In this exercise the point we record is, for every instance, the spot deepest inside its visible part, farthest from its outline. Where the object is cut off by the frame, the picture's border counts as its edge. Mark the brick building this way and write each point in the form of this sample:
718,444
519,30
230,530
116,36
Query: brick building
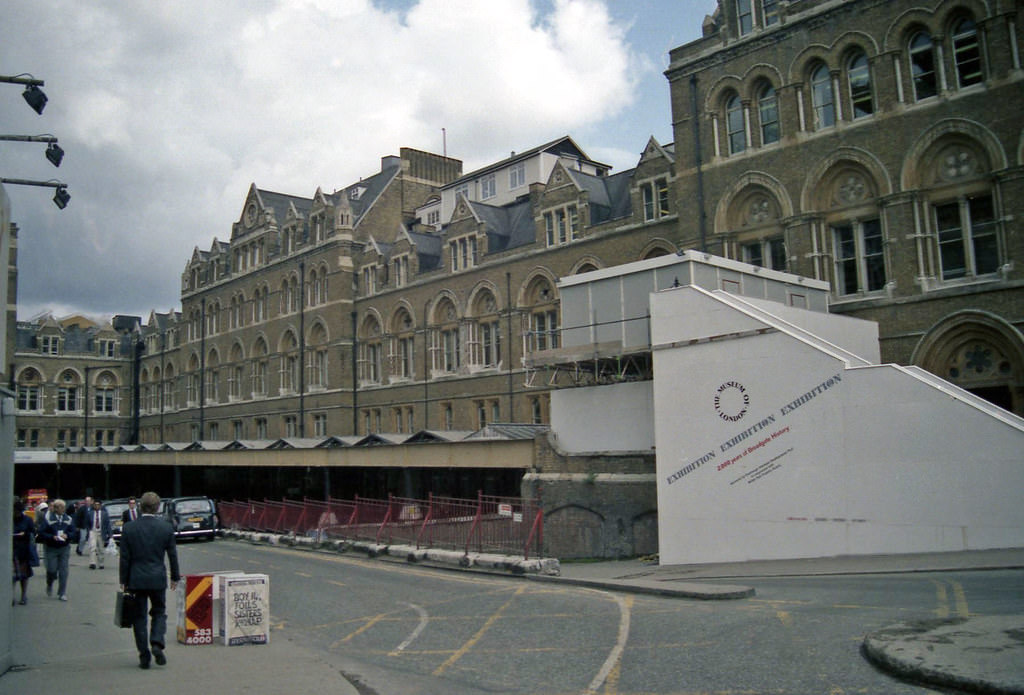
876,145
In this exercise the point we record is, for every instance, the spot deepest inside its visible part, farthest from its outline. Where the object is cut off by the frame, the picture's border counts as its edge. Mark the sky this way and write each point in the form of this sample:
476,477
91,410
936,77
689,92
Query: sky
168,111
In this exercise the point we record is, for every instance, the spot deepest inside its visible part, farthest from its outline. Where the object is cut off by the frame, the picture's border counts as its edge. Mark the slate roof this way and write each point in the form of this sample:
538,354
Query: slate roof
428,250
609,195
508,226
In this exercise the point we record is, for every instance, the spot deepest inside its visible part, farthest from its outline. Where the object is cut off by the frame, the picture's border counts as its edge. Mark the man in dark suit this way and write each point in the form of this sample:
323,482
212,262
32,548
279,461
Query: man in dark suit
130,514
144,543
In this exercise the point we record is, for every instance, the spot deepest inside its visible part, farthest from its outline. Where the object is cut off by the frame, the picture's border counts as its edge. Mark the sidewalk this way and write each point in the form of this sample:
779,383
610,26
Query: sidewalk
73,646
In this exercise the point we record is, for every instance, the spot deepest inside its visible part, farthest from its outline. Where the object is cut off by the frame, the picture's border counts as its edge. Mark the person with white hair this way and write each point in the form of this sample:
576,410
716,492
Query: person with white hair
57,531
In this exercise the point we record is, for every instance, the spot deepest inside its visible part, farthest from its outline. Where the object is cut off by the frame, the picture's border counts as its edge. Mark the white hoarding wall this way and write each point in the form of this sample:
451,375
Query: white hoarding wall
772,444
614,418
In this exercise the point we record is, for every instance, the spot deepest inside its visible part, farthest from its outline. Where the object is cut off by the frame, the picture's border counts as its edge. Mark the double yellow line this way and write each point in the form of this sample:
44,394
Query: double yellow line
957,607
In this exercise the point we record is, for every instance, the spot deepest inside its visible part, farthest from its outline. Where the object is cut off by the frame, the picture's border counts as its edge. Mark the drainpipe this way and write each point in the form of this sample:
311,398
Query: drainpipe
701,217
508,350
355,376
302,348
202,367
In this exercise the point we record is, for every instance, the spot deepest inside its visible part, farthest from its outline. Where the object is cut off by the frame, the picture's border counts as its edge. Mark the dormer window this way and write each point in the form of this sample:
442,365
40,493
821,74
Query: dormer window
50,344
517,176
463,253
357,192
561,226
488,187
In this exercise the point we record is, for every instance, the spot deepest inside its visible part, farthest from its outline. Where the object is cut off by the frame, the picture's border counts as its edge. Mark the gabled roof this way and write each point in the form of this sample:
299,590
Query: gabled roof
428,250
509,430
361,196
382,438
507,227
429,436
563,147
609,195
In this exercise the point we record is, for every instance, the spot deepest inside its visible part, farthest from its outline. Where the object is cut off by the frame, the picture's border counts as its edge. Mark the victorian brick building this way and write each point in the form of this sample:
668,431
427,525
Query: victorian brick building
877,145
872,144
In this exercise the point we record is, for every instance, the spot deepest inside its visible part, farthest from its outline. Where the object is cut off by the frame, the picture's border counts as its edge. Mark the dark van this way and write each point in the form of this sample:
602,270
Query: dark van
192,517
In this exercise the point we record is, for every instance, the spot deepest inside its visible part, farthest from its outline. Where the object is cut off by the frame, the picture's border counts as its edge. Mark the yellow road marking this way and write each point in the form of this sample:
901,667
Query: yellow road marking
784,617
479,633
363,628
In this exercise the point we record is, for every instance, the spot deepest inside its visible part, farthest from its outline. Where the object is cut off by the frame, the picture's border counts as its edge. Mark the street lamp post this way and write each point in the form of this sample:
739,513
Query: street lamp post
61,197
54,152
34,96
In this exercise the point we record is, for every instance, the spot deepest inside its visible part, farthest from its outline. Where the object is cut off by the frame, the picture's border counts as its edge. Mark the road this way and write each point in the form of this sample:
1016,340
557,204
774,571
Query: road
397,628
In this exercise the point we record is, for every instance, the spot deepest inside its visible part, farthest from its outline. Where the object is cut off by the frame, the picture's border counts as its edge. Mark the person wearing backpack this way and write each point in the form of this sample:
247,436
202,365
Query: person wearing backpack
57,531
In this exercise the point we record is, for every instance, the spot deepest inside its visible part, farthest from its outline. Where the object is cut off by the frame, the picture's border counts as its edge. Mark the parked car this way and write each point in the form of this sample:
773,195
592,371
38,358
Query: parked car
115,508
192,517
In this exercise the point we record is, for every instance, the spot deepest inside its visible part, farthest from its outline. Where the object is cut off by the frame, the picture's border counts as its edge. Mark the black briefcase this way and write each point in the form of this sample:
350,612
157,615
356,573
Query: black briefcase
125,609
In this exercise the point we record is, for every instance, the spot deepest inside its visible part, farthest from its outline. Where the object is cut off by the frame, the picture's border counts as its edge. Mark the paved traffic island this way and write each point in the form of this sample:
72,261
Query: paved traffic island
983,654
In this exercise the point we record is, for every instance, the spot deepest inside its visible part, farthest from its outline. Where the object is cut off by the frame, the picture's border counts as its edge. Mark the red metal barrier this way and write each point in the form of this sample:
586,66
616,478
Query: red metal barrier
510,525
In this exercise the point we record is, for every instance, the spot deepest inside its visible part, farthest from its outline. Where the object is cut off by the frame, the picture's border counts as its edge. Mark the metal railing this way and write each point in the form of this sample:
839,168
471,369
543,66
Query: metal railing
509,525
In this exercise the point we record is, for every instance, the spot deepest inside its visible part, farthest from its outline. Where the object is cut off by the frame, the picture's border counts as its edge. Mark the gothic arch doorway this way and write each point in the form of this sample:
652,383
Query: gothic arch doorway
979,352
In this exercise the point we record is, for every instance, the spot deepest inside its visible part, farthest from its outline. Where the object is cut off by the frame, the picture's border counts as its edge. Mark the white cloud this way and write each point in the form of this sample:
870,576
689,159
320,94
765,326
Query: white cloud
169,111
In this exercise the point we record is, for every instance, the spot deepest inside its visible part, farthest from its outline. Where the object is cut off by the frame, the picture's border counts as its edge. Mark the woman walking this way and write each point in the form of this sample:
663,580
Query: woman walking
24,539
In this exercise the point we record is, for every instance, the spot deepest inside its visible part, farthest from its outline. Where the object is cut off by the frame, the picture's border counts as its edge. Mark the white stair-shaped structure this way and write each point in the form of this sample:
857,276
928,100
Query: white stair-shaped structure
778,435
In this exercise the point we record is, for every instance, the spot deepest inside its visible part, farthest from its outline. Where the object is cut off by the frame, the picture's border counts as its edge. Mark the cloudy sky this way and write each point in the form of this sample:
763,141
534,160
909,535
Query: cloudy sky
168,111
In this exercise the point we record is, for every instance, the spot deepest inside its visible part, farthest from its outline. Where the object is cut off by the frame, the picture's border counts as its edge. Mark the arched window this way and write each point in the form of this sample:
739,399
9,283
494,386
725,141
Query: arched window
30,390
922,66
768,113
849,194
542,333
370,351
822,97
317,367
237,374
858,75
735,125
403,353
212,394
259,368
967,53
289,372
445,338
484,332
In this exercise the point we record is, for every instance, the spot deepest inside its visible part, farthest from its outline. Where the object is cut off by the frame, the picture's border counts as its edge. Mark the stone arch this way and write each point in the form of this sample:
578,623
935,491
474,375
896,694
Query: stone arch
969,141
445,309
753,187
853,41
237,353
483,300
260,346
978,351
759,73
586,264
644,529
656,248
402,319
371,324
30,374
800,66
714,100
575,531
856,163
532,290
318,334
906,24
